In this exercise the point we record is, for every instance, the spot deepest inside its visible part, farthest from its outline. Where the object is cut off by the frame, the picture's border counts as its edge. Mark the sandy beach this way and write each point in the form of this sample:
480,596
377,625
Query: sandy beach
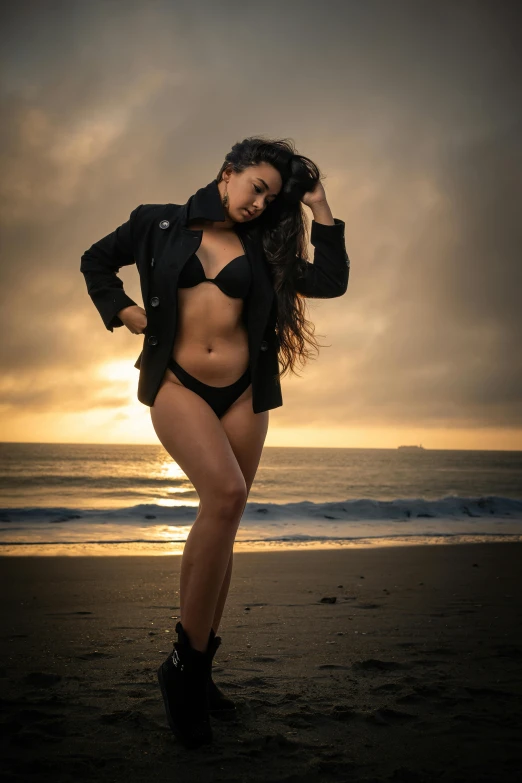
383,664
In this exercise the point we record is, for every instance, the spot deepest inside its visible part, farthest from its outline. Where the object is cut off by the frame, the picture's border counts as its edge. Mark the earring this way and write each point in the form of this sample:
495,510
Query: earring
224,200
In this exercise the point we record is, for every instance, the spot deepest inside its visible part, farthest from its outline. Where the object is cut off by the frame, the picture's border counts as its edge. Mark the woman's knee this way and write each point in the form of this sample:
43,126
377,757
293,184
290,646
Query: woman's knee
227,500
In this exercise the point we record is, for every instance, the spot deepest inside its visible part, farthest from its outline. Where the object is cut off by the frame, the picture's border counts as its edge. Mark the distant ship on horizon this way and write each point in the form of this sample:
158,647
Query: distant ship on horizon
411,448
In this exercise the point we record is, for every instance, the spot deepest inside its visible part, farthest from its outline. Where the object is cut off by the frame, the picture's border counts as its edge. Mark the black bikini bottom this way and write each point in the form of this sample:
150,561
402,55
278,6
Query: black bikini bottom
220,398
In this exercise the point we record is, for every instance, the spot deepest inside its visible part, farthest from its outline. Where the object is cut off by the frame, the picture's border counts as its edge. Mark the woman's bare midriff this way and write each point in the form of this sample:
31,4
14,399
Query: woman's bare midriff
211,338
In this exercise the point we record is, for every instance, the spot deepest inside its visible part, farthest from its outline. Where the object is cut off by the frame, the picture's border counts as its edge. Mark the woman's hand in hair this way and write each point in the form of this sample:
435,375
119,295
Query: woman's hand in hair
316,196
134,318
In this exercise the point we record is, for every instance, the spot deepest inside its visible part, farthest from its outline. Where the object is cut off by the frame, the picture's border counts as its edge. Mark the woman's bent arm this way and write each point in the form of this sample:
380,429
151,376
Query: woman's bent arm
99,265
328,276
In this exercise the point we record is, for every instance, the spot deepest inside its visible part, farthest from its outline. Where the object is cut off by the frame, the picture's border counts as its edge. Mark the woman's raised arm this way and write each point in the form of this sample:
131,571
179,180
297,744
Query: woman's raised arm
328,276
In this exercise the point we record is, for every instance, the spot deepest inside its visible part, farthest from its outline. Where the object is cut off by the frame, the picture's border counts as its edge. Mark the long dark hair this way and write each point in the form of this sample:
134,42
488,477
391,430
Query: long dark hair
284,236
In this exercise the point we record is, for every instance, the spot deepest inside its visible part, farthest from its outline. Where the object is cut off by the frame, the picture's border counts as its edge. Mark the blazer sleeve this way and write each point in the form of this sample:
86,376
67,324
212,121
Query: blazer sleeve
99,265
328,276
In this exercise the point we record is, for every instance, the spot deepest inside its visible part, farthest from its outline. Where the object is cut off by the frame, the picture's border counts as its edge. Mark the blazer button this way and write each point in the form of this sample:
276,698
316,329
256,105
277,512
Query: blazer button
154,301
264,345
153,340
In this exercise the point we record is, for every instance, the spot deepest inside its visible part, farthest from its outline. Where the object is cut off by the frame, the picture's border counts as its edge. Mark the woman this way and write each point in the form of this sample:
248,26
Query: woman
218,274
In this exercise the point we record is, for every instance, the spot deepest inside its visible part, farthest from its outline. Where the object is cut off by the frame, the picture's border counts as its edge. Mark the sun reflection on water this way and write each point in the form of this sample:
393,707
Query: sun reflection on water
170,469
168,532
172,502
167,469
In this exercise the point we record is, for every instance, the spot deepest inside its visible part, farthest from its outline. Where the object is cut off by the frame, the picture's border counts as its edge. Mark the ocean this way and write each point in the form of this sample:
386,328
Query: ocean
96,499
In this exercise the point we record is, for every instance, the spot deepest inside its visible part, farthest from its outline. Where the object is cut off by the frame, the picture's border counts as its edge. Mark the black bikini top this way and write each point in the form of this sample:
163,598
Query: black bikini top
234,279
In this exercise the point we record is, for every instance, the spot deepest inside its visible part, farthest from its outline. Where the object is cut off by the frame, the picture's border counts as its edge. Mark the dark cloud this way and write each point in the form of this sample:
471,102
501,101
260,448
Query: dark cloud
412,111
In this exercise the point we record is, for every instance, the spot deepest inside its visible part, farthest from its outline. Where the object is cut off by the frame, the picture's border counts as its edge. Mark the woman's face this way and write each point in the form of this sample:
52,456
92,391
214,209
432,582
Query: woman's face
253,189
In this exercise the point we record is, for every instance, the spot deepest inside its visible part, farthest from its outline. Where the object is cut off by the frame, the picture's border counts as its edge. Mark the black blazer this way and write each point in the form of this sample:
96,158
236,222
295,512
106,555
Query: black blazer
157,238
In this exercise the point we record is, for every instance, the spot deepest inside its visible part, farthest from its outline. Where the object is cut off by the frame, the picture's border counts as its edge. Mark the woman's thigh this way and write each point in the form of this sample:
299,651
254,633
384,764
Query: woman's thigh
213,453
192,434
246,432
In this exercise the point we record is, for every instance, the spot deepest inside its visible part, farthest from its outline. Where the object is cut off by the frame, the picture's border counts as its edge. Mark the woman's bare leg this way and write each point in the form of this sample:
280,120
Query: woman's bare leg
246,432
218,612
195,438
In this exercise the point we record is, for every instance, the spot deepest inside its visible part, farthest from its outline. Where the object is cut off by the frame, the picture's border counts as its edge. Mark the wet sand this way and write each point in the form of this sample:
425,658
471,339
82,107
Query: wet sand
385,664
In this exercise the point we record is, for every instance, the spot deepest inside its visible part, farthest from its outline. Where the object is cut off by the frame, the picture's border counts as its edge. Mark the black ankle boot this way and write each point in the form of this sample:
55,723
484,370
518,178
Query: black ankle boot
183,680
219,706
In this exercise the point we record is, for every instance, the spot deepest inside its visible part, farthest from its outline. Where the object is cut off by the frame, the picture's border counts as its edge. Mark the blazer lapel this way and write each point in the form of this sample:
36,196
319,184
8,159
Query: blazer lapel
182,242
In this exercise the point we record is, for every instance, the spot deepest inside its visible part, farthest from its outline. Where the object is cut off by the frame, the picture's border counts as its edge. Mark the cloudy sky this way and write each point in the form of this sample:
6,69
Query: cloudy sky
411,109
